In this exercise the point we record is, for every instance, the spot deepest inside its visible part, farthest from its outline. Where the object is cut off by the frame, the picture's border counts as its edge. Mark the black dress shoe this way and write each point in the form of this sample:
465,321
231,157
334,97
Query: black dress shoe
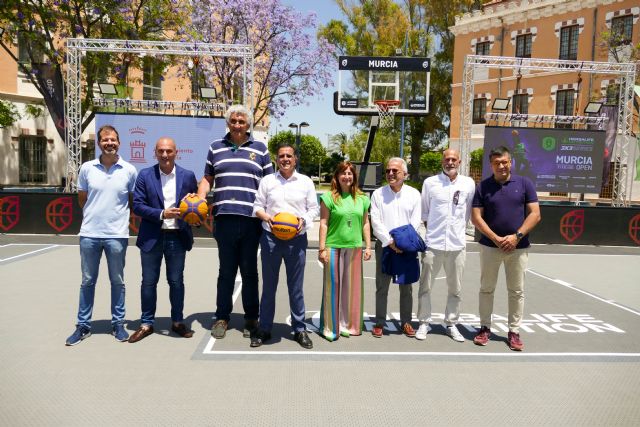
303,339
259,338
182,330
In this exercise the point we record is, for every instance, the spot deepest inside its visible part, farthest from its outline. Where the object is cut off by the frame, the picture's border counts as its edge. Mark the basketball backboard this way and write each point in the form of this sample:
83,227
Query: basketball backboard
362,80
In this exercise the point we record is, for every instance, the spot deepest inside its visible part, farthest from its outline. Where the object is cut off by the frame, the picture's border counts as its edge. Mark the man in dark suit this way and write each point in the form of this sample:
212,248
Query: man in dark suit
162,233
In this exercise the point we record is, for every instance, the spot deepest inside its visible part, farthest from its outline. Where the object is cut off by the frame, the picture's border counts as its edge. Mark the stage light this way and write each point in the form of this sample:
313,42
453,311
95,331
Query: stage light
208,93
107,89
500,104
593,108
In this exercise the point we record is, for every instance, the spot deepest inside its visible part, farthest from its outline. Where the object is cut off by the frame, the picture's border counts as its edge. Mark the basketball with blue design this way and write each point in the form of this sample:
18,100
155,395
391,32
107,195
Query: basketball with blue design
285,226
193,210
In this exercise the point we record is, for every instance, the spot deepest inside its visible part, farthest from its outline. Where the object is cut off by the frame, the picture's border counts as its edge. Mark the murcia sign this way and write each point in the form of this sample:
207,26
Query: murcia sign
385,63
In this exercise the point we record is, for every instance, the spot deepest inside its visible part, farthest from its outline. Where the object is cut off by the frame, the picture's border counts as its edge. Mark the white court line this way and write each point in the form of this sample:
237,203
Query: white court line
573,287
416,353
208,349
28,253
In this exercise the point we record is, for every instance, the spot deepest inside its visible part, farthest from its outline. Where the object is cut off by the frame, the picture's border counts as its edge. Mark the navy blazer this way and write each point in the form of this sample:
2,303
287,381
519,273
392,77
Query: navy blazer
148,203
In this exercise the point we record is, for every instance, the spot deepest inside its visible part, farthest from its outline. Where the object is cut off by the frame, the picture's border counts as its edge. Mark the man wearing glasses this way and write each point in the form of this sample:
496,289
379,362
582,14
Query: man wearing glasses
392,206
446,210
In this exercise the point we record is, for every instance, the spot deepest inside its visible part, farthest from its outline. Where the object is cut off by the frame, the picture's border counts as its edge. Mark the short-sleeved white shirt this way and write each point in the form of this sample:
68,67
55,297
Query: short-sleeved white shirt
106,212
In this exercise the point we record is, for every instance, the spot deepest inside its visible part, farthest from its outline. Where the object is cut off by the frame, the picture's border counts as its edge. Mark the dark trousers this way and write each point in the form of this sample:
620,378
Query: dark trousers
294,253
169,247
237,238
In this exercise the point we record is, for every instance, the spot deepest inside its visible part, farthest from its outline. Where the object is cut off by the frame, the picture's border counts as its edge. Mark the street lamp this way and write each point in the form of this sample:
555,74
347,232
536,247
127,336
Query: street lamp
298,129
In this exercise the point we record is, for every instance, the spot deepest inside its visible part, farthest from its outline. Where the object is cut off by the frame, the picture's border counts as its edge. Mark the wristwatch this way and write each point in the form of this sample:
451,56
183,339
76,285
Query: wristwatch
519,235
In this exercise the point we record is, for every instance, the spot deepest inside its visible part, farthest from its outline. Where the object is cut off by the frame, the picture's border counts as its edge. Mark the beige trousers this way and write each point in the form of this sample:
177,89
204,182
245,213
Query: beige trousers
515,264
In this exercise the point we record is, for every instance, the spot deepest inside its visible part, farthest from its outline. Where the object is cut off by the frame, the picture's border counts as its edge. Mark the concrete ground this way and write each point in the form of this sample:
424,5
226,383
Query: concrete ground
581,364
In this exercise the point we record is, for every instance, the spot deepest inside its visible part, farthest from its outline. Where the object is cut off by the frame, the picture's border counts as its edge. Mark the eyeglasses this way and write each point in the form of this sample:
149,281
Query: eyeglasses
239,122
456,196
392,170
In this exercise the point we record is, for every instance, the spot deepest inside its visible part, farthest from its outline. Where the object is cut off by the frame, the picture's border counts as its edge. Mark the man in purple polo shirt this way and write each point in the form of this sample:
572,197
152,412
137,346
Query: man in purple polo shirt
505,210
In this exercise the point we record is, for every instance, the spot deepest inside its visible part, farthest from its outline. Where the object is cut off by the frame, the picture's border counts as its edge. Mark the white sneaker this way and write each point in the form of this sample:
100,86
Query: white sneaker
454,333
423,330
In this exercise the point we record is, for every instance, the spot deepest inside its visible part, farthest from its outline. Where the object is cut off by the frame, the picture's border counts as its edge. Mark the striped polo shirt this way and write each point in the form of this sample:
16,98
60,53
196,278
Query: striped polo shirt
236,174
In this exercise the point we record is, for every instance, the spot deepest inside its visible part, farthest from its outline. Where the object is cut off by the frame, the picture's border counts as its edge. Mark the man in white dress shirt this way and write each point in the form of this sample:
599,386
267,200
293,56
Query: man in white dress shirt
446,210
392,206
294,193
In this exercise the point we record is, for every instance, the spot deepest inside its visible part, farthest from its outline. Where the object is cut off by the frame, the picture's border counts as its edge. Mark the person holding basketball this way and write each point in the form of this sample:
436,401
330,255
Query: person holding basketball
294,193
505,209
105,186
344,224
162,234
235,165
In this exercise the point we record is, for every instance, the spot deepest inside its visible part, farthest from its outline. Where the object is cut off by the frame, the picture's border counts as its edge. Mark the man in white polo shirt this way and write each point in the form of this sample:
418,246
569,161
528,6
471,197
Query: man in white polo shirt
392,206
105,188
446,210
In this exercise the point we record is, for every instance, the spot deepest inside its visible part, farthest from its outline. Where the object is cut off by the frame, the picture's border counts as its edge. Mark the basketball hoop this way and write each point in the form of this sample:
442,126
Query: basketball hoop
387,111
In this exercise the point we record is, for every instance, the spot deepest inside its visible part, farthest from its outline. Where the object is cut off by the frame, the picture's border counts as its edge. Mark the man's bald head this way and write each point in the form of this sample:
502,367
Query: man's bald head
166,152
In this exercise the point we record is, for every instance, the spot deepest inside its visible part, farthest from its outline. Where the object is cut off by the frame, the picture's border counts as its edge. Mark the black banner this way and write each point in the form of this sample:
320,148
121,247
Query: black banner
50,80
384,63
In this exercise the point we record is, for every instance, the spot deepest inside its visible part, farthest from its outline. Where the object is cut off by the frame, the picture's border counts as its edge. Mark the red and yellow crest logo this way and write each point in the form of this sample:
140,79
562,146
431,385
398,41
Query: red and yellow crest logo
59,213
572,225
9,212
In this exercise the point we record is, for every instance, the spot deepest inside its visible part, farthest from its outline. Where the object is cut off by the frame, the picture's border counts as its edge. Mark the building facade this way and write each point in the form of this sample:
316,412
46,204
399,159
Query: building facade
579,30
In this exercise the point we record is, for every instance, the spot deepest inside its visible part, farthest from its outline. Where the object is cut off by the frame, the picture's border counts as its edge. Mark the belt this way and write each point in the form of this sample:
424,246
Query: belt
169,230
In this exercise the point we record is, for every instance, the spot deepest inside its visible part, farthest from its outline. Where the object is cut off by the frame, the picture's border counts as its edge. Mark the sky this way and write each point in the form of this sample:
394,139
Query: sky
319,113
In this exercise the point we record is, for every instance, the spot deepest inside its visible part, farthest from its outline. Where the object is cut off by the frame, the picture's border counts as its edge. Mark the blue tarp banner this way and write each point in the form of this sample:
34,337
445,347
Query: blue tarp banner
139,133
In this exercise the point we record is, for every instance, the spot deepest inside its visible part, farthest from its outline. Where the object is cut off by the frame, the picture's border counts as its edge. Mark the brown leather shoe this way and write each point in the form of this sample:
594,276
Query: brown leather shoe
142,332
182,330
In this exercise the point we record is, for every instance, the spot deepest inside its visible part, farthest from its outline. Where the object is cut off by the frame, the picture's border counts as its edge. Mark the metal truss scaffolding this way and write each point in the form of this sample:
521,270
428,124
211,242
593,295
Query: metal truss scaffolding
624,72
77,48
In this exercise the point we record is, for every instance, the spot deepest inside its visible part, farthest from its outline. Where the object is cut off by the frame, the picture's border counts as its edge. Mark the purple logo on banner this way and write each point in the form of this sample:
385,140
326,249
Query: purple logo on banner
556,160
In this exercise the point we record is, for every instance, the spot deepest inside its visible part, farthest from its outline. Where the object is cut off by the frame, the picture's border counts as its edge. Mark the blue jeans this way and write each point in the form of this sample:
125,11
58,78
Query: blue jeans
169,246
294,253
237,237
115,250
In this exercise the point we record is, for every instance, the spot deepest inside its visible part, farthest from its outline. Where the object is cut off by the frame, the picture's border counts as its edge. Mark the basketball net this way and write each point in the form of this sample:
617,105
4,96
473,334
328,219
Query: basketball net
387,111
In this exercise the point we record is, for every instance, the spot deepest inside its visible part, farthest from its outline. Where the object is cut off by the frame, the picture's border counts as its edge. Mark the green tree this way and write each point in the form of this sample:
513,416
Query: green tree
312,152
329,165
41,26
431,162
384,147
8,114
476,159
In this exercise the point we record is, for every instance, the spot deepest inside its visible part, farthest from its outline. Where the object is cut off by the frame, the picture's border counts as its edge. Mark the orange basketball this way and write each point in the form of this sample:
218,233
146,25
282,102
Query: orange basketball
193,210
285,226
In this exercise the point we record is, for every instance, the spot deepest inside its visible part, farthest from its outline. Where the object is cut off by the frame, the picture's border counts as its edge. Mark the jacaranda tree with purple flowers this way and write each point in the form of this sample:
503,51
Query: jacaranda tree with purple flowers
291,66
40,27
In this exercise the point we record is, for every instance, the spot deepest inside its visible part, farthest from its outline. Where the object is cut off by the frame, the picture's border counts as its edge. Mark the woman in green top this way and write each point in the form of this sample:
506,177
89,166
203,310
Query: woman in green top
344,223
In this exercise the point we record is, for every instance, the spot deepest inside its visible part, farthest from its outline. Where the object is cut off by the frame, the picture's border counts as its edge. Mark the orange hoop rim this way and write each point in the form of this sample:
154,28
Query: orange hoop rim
384,104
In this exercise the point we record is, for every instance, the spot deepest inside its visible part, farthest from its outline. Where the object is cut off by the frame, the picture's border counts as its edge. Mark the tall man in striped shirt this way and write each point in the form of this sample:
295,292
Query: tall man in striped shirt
235,165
